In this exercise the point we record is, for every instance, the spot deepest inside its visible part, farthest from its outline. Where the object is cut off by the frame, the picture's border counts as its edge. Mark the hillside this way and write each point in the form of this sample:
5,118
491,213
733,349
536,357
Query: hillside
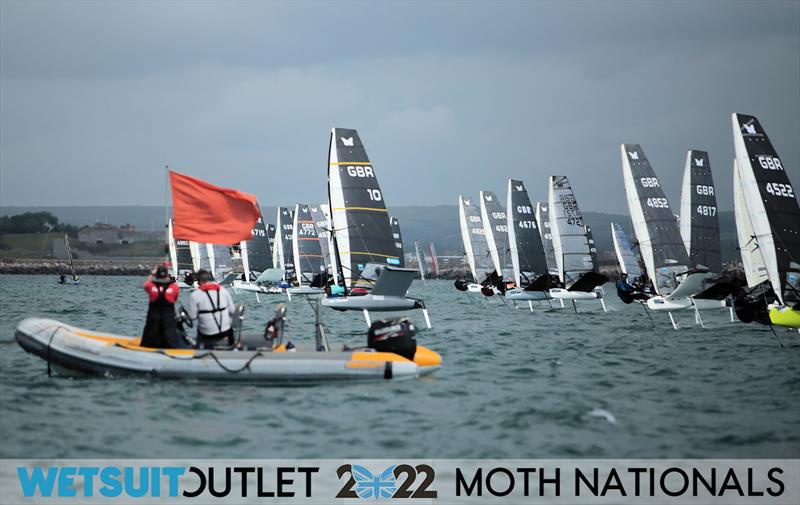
438,223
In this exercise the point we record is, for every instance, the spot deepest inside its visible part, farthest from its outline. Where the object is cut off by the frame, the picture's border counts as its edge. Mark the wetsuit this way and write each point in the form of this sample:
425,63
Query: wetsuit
160,330
628,293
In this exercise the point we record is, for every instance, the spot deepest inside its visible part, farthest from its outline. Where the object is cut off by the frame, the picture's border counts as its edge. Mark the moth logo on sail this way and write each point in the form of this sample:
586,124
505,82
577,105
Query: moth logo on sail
749,128
488,198
634,155
699,162
347,142
520,188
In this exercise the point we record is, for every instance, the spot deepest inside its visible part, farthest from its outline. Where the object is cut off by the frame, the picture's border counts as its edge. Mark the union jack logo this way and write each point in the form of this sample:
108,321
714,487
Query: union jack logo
378,486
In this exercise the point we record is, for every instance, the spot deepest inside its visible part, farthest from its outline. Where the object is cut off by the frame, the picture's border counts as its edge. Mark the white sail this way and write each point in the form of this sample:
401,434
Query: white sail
628,263
493,216
419,261
686,204
466,238
543,218
570,243
753,263
326,210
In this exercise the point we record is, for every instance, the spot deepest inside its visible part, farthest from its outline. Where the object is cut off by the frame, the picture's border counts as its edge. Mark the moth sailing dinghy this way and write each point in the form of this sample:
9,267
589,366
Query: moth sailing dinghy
767,217
660,243
258,274
391,353
283,255
75,279
525,246
476,249
366,255
495,227
699,227
309,264
576,268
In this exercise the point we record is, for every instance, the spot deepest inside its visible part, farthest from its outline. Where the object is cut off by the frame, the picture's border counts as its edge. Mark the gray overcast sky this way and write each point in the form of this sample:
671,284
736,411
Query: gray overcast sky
449,98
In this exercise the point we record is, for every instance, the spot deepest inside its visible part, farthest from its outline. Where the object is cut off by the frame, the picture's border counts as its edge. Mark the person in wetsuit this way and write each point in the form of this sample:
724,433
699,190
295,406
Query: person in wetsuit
160,329
627,292
213,308
62,279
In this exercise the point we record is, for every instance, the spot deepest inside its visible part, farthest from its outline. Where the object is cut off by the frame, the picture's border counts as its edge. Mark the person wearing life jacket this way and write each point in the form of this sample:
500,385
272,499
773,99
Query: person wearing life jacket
160,329
213,308
627,292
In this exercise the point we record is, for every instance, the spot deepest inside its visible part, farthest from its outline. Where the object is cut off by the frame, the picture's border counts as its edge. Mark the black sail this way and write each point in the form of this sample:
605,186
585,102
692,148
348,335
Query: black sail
308,260
527,251
772,202
397,235
656,227
259,254
285,228
592,249
699,220
358,211
271,237
184,256
323,225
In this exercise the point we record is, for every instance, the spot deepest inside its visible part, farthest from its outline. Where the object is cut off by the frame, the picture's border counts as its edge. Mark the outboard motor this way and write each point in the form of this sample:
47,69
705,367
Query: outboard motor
397,335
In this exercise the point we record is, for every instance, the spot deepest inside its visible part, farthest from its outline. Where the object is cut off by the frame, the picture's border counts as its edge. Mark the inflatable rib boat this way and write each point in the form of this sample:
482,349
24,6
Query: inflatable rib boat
71,349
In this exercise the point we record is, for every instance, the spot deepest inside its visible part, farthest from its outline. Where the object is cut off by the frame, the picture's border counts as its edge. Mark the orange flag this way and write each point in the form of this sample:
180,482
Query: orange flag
206,213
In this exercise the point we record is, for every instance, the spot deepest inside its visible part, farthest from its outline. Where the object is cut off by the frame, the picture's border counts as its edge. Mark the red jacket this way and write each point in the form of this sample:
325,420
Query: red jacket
155,291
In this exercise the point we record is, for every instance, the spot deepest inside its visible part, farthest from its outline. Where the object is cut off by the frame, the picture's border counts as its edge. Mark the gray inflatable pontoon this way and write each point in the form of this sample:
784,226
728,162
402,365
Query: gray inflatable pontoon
68,348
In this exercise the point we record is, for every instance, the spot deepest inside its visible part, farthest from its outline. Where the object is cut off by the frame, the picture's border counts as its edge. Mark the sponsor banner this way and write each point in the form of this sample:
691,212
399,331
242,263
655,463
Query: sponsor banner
552,481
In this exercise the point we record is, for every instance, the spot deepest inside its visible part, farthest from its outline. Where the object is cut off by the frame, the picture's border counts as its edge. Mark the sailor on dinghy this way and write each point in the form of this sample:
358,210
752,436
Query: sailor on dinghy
212,307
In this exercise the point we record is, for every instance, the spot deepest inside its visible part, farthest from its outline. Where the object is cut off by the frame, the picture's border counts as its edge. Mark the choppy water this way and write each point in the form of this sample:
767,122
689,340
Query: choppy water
515,384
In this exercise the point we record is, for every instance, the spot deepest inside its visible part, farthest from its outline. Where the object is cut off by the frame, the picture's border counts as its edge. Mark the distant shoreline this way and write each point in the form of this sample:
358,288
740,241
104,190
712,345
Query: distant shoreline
138,266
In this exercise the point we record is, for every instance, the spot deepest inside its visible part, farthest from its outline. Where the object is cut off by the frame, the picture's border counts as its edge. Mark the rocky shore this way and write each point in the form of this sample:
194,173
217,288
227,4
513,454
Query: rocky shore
139,266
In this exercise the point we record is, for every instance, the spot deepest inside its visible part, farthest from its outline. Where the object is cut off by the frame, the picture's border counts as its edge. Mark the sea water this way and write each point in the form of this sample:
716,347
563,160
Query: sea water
515,384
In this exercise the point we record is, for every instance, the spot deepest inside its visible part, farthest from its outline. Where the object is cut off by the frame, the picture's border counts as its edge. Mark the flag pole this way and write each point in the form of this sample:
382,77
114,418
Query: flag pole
166,210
